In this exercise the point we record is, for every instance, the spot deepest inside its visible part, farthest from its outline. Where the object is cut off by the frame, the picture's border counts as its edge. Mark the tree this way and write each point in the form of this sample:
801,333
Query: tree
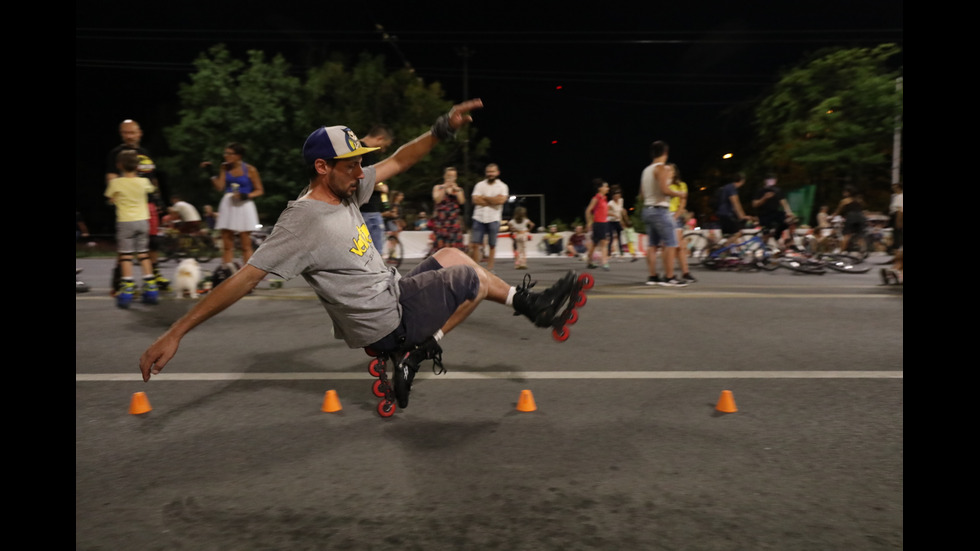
263,105
831,120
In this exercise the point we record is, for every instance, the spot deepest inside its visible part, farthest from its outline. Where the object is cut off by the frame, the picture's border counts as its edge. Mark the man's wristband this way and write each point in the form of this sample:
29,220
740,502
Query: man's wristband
441,129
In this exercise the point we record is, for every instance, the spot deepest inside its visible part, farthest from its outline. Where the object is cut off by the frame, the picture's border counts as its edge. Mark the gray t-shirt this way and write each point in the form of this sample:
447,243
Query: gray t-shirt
330,247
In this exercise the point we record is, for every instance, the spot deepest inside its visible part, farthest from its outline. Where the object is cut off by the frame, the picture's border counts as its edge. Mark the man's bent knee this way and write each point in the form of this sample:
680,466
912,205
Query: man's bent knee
452,256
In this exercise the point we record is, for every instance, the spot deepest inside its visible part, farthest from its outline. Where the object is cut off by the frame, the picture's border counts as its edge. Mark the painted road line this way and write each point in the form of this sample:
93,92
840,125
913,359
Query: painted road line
474,375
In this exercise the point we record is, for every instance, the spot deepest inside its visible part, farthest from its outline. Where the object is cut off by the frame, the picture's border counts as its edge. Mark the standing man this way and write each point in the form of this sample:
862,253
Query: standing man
131,134
655,193
772,208
489,197
322,238
379,139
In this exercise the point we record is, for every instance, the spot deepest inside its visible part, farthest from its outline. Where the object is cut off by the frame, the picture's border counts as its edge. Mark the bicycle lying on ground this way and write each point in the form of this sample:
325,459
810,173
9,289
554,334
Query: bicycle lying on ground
820,263
738,254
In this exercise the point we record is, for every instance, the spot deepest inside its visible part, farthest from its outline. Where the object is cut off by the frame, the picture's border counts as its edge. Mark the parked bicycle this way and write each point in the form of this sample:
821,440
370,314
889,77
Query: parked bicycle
700,244
738,253
177,246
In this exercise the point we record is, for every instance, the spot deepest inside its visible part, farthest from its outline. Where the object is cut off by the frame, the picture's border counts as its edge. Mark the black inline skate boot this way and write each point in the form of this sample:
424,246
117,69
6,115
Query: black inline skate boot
409,364
544,307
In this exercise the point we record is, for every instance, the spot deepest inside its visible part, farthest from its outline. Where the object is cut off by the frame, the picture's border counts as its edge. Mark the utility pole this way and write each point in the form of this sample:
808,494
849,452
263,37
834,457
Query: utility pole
465,53
897,143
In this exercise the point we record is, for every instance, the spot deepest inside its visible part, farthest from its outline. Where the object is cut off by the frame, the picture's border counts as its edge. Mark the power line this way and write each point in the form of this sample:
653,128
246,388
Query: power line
543,37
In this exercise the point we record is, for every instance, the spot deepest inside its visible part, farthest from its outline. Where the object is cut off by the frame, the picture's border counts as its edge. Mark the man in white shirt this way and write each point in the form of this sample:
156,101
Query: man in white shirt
188,218
489,197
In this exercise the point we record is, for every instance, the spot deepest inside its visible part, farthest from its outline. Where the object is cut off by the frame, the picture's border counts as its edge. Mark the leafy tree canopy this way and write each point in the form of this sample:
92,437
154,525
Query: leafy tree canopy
263,105
832,119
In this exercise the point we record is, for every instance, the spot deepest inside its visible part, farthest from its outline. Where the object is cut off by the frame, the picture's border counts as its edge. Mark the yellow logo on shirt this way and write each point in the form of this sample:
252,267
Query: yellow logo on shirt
362,242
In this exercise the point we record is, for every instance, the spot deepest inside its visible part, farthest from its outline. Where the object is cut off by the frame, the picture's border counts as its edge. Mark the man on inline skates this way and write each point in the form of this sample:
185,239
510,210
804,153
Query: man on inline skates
323,238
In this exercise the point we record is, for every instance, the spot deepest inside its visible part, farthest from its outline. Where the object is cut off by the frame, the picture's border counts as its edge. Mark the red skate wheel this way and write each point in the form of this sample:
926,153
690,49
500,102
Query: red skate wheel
373,367
580,300
572,317
587,281
560,335
386,408
377,389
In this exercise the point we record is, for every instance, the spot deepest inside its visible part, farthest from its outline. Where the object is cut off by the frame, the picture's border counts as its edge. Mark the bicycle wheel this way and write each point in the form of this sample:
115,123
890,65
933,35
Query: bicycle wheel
168,248
843,264
757,254
394,252
766,259
802,265
858,246
202,248
697,247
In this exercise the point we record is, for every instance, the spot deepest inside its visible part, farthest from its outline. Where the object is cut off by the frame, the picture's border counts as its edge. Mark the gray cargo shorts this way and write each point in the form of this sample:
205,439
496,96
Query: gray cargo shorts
429,295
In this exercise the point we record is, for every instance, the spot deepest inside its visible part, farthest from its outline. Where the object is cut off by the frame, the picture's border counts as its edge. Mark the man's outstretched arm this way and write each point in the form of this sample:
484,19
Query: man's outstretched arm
412,152
224,295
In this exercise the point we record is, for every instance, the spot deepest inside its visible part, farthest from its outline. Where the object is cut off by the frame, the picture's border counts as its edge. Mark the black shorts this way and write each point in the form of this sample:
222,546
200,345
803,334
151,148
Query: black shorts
600,231
730,225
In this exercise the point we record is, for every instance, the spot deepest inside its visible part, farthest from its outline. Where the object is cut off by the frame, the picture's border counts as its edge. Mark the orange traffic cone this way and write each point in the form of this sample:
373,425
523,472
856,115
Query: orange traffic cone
726,402
526,401
139,404
331,403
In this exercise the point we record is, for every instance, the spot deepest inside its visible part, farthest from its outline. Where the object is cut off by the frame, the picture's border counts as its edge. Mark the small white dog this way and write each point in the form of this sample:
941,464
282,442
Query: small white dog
187,278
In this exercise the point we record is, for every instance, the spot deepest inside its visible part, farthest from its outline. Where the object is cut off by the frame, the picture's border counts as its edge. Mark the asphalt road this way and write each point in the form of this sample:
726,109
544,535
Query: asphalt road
626,449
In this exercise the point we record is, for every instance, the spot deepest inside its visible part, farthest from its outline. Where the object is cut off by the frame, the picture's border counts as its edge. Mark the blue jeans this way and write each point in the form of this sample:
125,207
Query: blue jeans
660,227
376,227
488,229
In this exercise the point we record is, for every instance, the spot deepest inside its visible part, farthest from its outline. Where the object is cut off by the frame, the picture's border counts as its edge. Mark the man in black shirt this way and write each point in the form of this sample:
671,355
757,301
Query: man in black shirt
771,206
379,136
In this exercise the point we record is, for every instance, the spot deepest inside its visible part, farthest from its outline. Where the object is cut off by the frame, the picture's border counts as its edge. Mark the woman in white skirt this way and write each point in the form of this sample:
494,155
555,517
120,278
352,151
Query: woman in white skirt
240,183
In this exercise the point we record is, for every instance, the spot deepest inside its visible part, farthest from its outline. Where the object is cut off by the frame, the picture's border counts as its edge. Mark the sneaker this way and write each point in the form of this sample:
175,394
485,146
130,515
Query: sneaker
124,296
542,308
409,365
605,267
653,280
591,266
673,282
688,278
150,293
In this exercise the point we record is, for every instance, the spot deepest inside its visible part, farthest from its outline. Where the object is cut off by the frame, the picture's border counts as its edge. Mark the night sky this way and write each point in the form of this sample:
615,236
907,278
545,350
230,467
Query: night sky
572,91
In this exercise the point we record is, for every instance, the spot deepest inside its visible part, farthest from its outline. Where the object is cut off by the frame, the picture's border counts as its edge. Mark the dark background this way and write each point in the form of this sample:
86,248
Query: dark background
571,91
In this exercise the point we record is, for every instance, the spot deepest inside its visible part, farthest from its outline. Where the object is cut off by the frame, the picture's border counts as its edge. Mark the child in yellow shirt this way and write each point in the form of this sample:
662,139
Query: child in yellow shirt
129,194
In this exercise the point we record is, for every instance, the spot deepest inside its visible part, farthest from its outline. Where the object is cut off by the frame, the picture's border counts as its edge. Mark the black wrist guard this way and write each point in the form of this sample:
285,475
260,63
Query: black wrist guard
441,129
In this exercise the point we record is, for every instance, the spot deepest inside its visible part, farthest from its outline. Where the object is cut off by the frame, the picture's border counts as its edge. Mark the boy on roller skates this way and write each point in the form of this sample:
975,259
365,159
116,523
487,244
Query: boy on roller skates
129,193
323,238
